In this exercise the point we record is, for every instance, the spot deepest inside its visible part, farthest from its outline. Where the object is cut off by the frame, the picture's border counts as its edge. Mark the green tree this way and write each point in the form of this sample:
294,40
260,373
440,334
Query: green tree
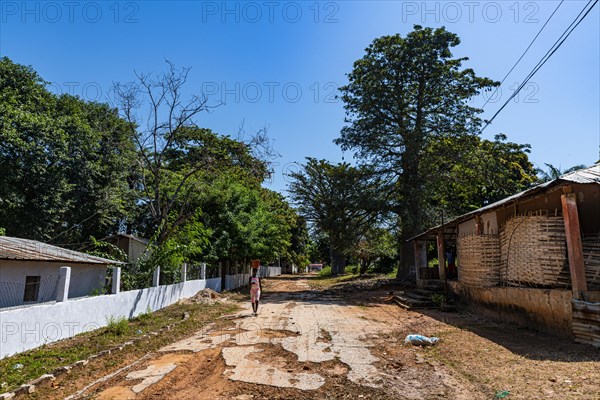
340,200
554,172
474,172
301,247
245,222
70,162
404,93
174,153
376,245
197,158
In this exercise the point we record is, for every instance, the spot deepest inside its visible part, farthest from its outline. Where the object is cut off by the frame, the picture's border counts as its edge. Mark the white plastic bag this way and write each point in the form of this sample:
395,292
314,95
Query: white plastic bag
420,340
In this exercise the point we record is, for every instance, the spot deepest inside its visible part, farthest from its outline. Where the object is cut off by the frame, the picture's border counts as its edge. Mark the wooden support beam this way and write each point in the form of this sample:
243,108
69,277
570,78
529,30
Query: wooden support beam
441,255
478,225
574,244
420,255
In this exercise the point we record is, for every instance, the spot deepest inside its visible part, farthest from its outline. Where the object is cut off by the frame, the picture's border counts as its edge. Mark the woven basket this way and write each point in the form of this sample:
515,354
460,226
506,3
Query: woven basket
533,250
478,260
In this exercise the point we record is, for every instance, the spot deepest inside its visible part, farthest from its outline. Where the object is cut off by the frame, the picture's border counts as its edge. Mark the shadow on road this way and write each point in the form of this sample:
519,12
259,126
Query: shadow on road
525,342
522,341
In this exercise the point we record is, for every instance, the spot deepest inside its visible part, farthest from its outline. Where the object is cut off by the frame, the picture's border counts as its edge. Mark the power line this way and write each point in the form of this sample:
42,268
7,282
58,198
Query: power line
522,55
72,227
559,42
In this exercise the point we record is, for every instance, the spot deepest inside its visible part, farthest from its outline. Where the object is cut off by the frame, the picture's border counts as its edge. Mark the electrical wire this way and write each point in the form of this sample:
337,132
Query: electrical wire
72,227
547,56
523,55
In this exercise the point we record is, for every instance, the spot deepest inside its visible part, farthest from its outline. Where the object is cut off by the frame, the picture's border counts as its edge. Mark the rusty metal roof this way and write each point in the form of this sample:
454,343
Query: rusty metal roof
585,175
31,250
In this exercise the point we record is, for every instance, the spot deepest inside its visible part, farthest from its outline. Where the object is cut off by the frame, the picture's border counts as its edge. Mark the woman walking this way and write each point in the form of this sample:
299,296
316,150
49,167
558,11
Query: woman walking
255,289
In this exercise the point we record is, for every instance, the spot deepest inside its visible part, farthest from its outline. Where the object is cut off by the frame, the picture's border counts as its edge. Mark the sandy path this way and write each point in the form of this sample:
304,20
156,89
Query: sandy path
303,344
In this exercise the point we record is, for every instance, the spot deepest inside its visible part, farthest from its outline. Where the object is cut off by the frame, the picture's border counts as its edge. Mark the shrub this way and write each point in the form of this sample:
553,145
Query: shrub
146,317
118,326
325,272
438,298
98,292
351,269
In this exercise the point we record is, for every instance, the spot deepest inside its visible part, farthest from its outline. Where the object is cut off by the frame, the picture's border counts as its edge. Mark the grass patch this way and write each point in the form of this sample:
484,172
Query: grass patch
352,269
23,367
117,326
325,272
325,282
393,273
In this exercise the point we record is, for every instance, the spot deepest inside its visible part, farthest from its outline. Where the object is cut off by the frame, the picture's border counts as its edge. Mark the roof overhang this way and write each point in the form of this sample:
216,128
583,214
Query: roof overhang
590,175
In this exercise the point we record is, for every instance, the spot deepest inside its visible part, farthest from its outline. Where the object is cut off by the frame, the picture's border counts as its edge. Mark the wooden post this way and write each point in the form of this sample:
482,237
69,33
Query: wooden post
478,225
574,244
441,254
420,256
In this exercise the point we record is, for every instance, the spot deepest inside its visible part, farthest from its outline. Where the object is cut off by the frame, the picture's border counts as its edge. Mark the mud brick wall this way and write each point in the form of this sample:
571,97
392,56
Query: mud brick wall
544,310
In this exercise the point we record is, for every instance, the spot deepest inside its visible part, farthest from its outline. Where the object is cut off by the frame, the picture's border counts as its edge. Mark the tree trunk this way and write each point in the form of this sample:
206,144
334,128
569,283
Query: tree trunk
337,262
364,265
411,216
411,185
407,260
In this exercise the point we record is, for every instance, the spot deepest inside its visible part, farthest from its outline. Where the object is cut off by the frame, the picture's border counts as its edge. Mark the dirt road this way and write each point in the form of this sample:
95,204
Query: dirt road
320,344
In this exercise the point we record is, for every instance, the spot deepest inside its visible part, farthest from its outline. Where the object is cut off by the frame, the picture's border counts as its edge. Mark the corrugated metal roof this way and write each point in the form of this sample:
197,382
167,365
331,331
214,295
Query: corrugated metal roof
126,235
584,175
31,250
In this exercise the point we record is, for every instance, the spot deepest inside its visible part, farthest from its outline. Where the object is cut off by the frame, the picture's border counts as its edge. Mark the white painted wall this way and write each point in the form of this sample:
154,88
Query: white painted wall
236,281
239,280
490,223
85,278
137,250
27,328
489,220
266,272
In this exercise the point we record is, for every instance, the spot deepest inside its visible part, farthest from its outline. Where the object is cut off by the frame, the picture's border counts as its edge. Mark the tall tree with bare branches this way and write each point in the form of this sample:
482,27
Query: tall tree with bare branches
175,154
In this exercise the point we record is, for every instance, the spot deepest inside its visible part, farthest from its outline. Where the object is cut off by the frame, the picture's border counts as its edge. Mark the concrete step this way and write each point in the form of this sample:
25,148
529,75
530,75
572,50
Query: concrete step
411,304
418,296
430,284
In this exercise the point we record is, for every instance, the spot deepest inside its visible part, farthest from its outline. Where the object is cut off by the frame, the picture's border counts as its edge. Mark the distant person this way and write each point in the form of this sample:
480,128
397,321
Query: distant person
255,289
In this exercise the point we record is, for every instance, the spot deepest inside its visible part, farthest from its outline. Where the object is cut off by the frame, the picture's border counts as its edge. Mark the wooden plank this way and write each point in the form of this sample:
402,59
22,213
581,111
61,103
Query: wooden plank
441,247
574,244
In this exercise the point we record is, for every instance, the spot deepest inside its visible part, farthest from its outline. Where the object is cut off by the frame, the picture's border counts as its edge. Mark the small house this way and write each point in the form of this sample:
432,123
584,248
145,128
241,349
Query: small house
315,267
532,258
30,272
288,267
134,247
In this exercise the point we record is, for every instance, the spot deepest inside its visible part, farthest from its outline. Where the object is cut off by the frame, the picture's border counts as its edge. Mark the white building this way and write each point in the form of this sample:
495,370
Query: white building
29,272
134,247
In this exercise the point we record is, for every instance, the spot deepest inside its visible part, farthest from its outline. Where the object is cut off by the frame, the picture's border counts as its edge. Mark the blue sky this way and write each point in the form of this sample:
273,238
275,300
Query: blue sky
277,63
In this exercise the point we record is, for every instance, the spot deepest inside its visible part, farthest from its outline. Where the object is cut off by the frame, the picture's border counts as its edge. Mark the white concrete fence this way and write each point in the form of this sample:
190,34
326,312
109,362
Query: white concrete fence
29,327
266,272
